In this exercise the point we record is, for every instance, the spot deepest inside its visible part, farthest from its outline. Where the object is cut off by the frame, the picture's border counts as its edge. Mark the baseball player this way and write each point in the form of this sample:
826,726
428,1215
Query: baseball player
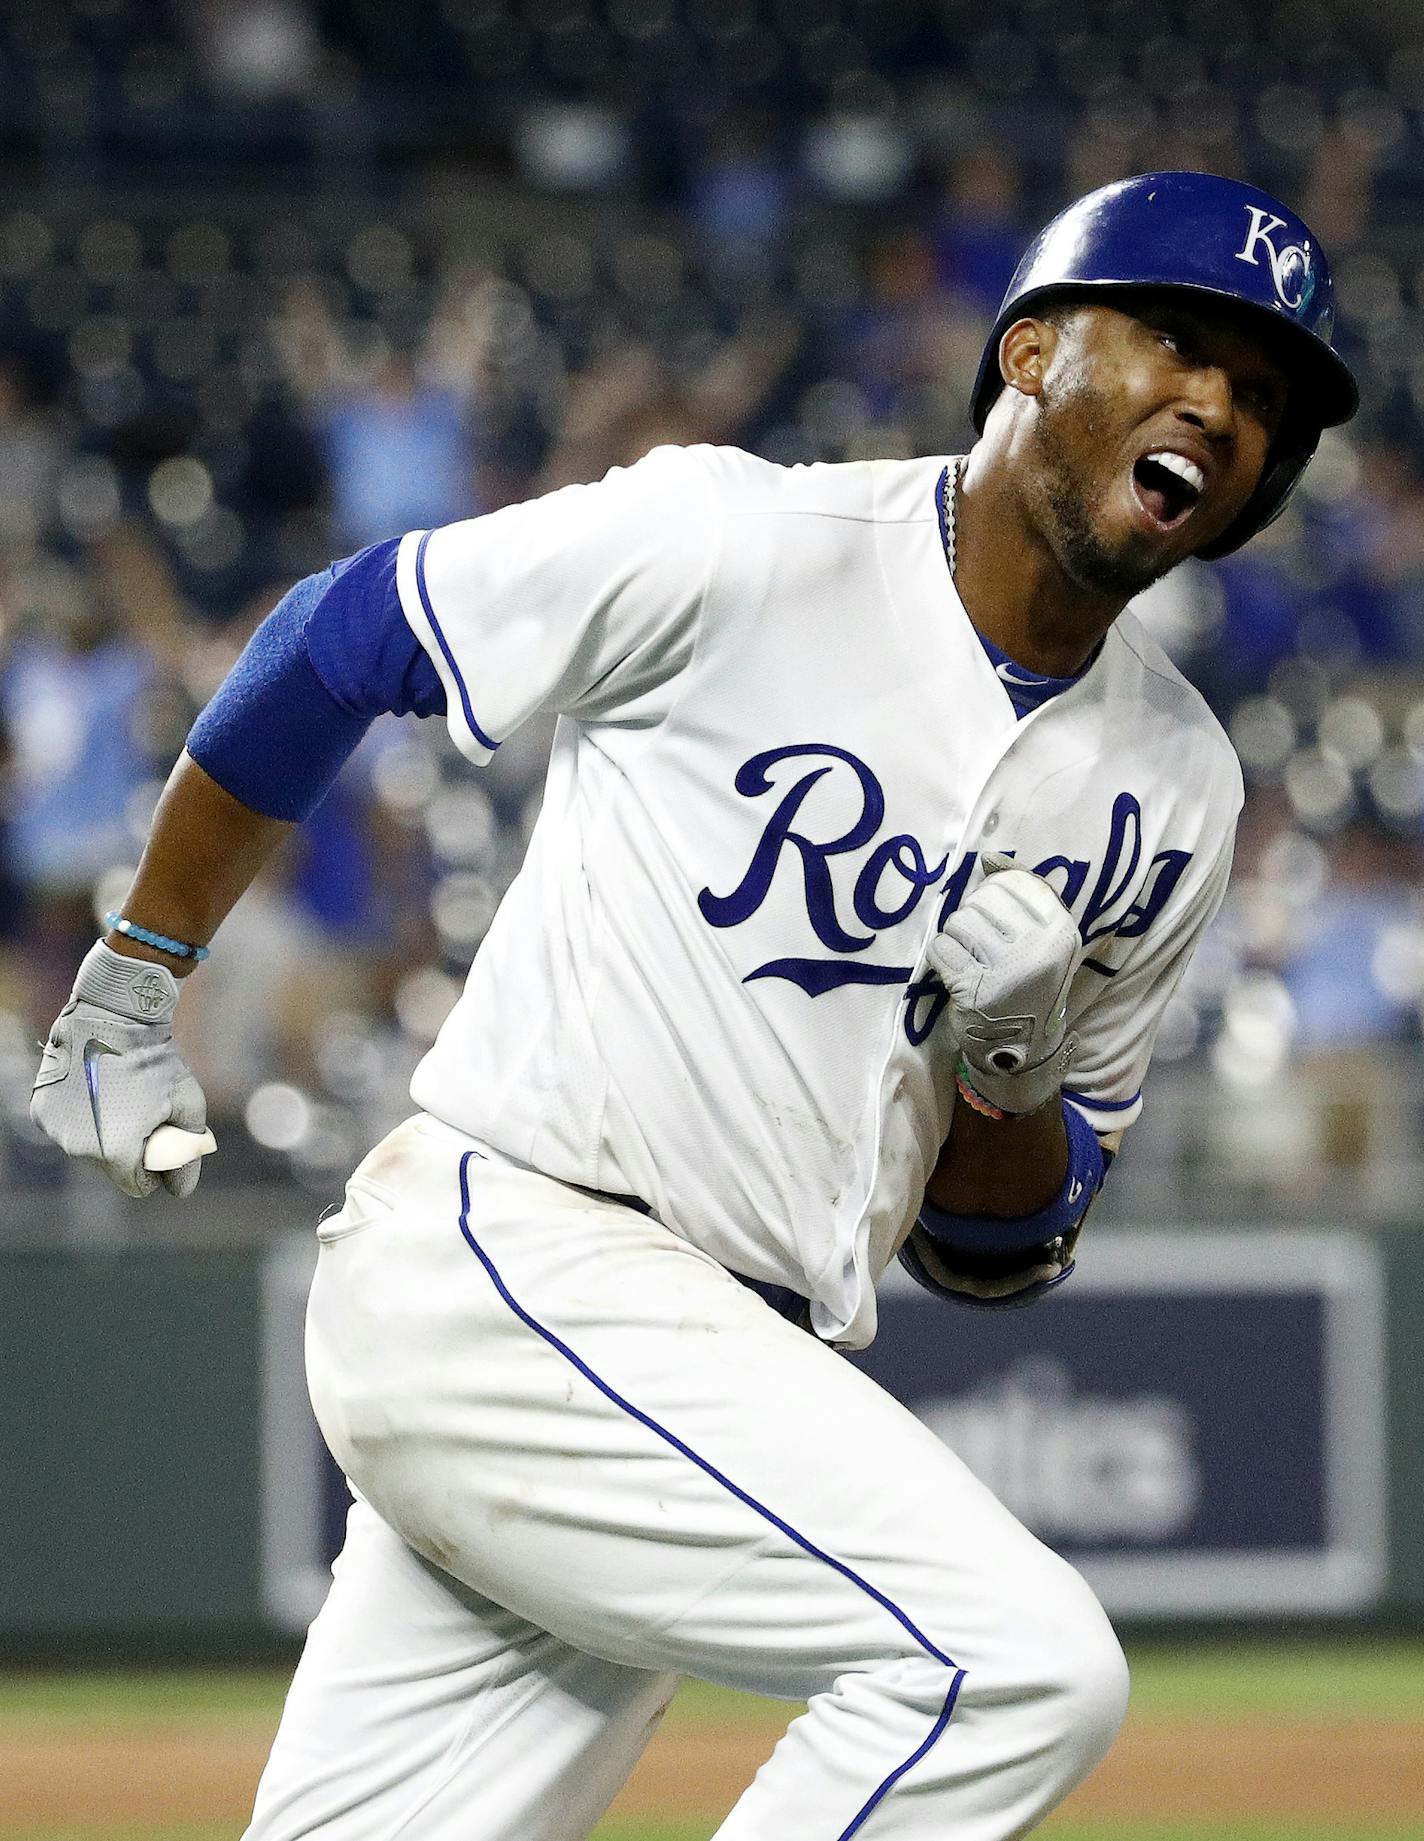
876,838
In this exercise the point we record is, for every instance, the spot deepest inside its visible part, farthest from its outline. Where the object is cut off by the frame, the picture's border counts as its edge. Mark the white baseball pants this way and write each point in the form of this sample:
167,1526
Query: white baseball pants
590,1462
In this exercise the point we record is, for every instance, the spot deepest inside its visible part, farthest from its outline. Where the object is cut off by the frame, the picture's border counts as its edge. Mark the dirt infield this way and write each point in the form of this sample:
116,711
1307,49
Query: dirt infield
1187,1771
1362,1772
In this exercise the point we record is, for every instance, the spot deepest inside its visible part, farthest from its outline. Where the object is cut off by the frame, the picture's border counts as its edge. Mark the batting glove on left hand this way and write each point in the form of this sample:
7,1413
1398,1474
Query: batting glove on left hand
110,1074
1007,957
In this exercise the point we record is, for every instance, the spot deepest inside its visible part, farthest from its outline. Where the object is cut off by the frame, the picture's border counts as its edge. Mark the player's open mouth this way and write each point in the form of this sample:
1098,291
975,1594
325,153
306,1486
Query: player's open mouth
1168,487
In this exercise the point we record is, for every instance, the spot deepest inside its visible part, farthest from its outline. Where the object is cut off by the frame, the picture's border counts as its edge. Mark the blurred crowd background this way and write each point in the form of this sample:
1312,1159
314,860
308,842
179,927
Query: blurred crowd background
281,278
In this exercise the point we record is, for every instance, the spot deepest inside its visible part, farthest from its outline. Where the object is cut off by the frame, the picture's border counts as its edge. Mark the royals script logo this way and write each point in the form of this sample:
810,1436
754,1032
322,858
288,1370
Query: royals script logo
1116,897
1290,265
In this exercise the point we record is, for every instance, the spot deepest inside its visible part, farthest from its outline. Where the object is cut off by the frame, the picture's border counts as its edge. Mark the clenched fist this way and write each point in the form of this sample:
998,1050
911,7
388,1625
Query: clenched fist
111,1074
1007,957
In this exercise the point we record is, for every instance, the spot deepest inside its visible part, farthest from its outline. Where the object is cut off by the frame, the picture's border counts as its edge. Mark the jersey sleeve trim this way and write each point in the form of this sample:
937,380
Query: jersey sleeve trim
421,615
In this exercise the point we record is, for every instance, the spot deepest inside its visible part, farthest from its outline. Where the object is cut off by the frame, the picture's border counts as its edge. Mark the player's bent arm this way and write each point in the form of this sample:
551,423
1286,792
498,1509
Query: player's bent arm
111,1076
985,1255
1010,1166
203,850
1020,1165
332,655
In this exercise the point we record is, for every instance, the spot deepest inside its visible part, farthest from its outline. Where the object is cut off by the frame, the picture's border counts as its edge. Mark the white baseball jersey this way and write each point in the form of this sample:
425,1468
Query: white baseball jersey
781,749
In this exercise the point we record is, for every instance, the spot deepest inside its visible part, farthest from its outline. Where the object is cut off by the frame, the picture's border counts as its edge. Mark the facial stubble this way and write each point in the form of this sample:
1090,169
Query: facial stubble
1073,516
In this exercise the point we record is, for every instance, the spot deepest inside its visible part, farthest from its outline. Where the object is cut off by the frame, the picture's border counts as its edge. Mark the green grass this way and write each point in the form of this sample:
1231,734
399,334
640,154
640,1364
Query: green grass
1289,1678
1292,1678
140,1697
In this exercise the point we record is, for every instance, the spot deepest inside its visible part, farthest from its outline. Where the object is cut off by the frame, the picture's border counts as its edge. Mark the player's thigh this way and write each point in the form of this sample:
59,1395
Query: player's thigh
592,1424
416,1701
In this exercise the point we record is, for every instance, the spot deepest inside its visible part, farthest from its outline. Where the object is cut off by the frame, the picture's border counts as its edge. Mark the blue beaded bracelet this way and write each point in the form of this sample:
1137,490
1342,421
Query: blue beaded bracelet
179,949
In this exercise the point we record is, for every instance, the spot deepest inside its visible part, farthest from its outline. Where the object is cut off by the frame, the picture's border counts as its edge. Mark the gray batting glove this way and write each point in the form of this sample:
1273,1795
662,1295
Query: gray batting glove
1007,958
110,1074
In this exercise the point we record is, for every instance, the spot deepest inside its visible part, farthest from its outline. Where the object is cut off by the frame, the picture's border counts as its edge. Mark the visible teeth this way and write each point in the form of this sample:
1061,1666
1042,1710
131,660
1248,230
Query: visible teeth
1184,469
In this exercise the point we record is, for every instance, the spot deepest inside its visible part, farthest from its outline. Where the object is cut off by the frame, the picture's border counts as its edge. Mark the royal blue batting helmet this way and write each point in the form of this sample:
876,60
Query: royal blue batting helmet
1197,234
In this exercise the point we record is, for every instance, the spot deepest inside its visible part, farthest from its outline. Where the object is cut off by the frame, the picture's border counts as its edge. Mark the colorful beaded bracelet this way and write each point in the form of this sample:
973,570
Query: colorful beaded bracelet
178,949
973,1099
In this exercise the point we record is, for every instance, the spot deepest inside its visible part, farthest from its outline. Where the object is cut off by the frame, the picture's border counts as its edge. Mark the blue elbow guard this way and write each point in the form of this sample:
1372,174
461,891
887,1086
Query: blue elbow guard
988,1263
992,1234
333,654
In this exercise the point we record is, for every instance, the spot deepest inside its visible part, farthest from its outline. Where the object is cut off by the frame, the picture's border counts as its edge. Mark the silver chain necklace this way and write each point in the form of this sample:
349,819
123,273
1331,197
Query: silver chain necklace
950,494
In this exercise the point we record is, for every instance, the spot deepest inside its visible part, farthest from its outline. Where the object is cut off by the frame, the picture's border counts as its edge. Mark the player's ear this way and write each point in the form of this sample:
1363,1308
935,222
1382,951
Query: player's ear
1024,354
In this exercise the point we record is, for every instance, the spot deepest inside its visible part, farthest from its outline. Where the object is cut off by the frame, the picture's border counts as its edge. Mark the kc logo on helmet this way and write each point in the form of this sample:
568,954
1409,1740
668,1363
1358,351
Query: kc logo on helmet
1290,267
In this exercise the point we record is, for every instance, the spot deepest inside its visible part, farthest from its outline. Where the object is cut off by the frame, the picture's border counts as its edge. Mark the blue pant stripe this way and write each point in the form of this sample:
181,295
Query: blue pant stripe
670,1438
889,1784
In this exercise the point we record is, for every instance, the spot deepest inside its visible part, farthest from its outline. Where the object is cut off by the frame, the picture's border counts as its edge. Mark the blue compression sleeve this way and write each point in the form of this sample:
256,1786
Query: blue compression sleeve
990,1234
333,654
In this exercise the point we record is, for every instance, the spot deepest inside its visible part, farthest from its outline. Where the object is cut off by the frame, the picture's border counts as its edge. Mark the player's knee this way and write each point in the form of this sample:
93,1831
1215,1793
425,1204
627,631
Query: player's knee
1099,1696
1089,1678
1051,1655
